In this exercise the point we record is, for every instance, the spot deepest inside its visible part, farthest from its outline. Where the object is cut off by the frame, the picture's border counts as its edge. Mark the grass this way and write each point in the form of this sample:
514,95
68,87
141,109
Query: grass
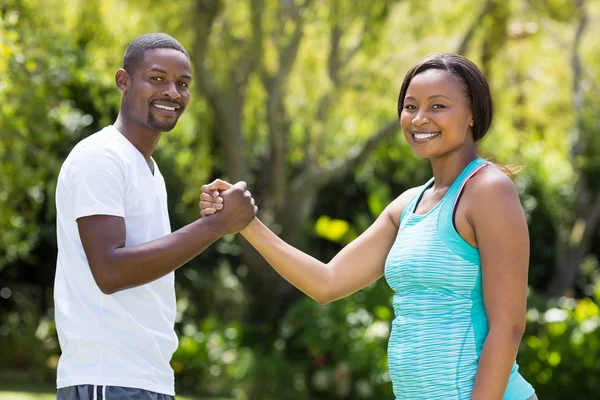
26,396
23,391
26,391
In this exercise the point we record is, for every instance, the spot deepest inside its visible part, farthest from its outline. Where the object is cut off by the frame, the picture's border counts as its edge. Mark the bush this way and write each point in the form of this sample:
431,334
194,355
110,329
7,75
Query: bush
560,352
29,343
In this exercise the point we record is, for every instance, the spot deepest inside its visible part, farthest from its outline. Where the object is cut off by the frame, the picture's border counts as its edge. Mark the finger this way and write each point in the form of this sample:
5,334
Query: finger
209,197
219,184
209,203
207,211
255,210
205,205
206,189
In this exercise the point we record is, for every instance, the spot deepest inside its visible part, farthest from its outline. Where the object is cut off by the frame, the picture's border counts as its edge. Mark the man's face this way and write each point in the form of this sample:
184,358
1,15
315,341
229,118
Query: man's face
157,91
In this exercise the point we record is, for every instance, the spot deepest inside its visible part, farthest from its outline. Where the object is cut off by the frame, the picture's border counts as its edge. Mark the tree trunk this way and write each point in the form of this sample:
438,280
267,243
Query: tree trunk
574,246
565,271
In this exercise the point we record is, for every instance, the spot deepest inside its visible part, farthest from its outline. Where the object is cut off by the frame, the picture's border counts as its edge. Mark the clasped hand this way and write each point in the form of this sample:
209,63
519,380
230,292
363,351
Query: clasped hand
240,209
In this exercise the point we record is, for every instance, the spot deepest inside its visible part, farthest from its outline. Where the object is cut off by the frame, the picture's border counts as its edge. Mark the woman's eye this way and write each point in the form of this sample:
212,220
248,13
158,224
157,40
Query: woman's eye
438,106
409,107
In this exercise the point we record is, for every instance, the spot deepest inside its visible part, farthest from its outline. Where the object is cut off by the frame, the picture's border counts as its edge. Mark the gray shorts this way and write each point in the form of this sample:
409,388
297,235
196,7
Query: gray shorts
94,392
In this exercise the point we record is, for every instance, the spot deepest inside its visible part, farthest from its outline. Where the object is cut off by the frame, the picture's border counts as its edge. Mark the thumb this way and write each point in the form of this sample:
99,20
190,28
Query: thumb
217,184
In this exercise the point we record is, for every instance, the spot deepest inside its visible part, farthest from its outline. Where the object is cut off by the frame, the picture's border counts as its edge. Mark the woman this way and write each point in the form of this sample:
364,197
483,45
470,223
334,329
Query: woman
454,250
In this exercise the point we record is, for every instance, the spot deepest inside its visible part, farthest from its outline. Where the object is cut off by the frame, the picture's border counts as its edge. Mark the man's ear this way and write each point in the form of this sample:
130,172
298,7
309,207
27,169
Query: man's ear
122,79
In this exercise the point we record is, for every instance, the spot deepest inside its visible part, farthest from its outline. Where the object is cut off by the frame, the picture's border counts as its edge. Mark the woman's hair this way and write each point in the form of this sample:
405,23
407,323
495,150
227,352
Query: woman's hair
475,86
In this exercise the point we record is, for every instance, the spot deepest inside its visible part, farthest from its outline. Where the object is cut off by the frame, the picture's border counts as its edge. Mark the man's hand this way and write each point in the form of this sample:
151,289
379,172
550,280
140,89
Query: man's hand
234,201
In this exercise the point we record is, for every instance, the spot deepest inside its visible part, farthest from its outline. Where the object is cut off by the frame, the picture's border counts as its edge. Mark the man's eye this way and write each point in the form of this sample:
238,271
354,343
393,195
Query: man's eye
157,78
183,84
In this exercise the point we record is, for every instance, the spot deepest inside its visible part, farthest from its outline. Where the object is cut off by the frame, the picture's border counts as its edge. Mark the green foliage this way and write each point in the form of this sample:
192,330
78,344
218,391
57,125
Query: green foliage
29,344
344,344
209,359
339,352
331,229
57,63
560,353
26,148
590,161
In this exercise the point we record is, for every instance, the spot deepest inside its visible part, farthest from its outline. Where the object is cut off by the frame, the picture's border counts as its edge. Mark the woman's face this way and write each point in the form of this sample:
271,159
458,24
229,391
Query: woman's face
436,115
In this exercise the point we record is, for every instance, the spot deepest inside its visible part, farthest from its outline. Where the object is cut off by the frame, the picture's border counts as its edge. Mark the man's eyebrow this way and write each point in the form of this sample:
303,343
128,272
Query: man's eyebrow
155,69
162,71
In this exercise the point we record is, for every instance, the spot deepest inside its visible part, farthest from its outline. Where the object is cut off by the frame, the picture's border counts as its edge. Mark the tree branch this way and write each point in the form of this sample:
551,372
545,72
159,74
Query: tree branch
206,12
227,115
463,47
572,248
287,55
577,146
319,177
277,118
251,58
322,176
333,68
335,65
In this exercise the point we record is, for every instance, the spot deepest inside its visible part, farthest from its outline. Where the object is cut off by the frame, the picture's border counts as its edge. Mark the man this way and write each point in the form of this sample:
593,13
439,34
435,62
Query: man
114,291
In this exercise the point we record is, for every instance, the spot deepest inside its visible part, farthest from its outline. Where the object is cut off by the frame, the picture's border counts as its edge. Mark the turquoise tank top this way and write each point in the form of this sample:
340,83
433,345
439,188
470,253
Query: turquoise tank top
441,324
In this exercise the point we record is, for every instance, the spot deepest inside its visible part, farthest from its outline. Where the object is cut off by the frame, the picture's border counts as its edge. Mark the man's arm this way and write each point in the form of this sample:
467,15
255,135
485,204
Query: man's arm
116,267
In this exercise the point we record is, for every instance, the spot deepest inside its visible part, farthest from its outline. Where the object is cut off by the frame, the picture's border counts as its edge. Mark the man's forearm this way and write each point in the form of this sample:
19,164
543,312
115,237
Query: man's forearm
128,267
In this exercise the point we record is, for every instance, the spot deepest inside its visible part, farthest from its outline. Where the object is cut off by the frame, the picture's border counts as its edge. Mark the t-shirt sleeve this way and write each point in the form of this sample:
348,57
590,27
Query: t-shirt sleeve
97,183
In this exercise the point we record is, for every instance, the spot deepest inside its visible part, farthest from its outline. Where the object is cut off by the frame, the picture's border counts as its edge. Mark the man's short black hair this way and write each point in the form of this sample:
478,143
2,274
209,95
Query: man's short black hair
135,51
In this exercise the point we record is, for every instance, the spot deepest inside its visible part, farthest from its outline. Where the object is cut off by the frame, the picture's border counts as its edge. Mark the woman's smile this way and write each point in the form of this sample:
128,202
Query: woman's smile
424,136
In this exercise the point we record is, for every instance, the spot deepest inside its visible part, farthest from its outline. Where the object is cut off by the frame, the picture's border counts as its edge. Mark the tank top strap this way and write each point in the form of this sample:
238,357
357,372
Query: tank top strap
412,203
458,185
446,228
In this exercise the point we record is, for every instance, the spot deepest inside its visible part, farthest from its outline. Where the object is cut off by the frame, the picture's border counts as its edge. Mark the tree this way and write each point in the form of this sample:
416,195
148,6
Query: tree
286,185
574,238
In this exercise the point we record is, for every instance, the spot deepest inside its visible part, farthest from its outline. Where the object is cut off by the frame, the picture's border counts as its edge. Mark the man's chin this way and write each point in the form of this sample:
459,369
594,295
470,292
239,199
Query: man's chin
162,127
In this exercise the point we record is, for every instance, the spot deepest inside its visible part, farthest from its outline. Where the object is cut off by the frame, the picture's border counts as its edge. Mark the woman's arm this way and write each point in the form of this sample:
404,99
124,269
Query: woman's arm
357,265
503,241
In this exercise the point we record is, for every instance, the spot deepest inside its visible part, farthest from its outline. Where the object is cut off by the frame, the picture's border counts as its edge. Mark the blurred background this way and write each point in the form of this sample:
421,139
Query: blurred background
298,98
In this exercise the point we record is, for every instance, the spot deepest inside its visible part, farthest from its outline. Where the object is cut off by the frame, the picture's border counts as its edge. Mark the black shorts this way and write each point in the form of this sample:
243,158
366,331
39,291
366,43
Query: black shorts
94,392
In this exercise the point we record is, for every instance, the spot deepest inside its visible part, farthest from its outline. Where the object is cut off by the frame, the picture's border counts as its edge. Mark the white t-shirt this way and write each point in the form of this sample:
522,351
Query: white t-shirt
127,338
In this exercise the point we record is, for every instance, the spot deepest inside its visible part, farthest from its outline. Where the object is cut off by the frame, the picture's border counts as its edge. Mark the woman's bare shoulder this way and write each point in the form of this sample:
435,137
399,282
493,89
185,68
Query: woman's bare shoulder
395,208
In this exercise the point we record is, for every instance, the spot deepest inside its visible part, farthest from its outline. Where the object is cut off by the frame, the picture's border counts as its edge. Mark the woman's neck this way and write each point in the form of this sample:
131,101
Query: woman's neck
448,167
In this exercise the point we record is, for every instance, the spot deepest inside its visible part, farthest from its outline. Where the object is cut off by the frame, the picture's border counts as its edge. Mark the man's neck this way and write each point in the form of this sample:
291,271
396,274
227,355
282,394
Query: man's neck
142,138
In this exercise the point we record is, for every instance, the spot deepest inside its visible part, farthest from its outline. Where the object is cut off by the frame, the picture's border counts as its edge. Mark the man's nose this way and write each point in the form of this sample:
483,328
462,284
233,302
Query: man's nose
171,91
